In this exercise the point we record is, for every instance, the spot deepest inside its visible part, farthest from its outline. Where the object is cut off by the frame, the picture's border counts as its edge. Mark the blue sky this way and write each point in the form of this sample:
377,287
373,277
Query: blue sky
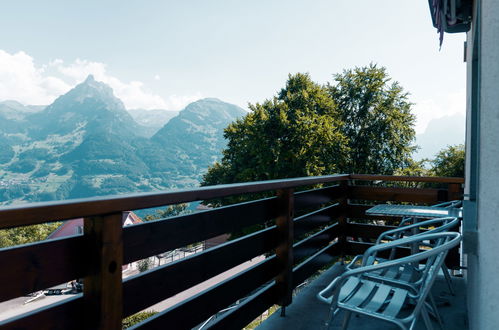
164,54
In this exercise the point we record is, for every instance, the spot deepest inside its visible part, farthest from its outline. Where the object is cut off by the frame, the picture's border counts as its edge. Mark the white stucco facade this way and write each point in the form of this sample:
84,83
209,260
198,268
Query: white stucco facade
482,217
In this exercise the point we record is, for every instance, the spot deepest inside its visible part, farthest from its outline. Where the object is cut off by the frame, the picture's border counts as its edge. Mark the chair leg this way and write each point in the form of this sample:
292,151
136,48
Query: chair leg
426,318
332,313
435,311
448,279
346,320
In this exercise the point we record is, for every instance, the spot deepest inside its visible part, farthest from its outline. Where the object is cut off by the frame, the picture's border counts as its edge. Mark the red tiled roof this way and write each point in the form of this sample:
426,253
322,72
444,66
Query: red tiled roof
69,227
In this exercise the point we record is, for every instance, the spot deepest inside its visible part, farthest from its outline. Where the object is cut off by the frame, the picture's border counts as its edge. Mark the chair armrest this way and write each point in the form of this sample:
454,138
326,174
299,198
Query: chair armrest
354,260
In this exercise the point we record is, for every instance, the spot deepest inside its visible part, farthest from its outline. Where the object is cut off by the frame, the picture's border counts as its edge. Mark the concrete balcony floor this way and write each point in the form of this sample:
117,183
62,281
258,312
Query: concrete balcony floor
307,312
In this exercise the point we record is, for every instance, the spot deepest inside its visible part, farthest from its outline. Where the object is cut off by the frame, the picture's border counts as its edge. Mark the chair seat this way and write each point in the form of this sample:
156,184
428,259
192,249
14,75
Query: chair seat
372,298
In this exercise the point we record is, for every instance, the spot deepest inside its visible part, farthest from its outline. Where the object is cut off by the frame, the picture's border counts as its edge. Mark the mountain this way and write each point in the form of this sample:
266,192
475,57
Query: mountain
14,110
440,133
196,135
87,144
90,104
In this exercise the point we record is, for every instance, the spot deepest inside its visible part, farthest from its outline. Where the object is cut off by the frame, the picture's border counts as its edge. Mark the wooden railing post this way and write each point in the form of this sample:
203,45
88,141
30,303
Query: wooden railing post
455,191
342,218
284,250
102,290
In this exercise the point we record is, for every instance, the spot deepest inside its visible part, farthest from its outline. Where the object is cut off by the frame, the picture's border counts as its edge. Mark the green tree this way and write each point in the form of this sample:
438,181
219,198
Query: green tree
294,134
414,168
449,162
377,120
26,234
137,318
360,123
144,264
170,211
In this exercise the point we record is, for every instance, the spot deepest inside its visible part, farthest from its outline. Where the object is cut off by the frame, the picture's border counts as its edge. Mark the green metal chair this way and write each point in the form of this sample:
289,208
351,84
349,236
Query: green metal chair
405,273
365,290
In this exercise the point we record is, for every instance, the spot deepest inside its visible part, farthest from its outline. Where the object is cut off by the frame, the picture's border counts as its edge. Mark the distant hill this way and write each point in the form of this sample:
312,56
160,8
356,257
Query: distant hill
196,135
11,109
87,144
439,134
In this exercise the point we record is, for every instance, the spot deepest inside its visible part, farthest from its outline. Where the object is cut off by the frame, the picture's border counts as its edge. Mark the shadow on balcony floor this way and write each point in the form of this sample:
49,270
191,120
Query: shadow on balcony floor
307,312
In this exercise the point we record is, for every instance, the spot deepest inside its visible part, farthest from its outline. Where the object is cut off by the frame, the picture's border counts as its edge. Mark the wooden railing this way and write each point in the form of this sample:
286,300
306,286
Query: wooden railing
295,246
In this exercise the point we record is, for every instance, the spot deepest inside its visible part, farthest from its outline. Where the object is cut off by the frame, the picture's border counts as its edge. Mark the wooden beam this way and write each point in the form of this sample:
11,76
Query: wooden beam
317,197
155,237
191,312
284,250
175,277
248,310
103,293
455,191
435,179
310,221
66,314
315,242
33,267
414,195
33,213
318,260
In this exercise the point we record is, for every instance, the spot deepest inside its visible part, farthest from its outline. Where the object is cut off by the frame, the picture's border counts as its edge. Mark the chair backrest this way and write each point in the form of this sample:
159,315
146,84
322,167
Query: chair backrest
439,225
450,204
430,274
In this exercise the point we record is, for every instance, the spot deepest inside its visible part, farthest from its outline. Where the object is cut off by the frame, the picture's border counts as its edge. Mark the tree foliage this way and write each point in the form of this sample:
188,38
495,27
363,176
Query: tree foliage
137,318
377,120
360,123
449,162
170,211
26,234
294,134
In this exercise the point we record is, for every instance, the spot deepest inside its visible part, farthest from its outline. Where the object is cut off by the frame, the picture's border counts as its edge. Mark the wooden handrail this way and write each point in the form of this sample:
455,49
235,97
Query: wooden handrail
34,213
435,179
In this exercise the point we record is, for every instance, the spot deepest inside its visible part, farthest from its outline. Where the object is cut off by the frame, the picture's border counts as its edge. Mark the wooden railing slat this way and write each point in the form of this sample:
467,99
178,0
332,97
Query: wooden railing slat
175,277
248,310
414,195
38,266
212,300
315,242
312,220
155,237
66,314
316,197
318,260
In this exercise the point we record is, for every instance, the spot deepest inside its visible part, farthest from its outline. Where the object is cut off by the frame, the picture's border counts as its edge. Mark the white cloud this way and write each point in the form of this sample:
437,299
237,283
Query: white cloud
157,77
446,105
22,80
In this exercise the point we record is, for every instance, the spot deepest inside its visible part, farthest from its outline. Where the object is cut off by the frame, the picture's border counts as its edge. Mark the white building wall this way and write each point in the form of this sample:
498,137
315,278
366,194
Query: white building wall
483,263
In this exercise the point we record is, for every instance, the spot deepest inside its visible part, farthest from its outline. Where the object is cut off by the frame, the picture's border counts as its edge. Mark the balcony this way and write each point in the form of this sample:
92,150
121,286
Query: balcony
305,226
